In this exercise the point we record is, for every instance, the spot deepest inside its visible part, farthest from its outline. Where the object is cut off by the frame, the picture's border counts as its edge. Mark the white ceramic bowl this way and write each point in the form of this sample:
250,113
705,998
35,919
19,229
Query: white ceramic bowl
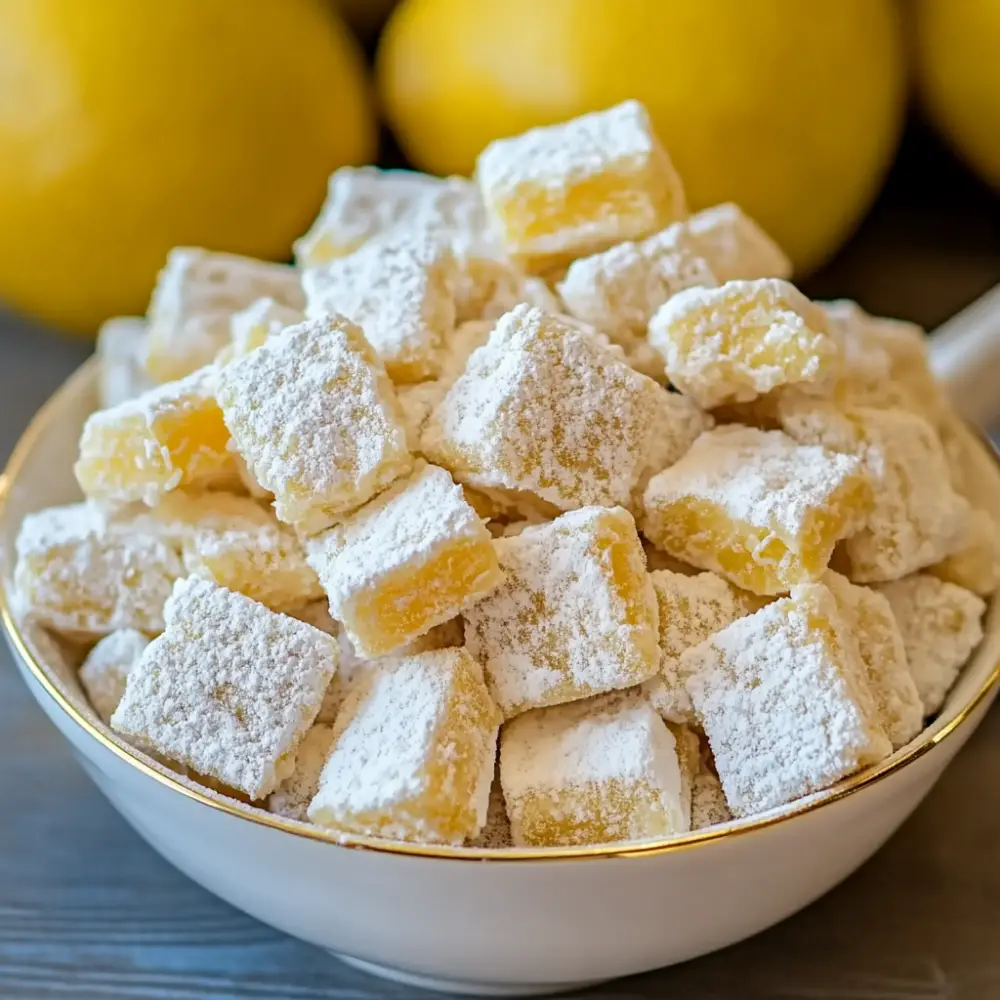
515,922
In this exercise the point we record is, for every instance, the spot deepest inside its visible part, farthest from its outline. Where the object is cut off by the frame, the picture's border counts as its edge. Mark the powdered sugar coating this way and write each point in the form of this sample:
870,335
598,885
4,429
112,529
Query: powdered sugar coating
229,689
708,801
734,246
413,752
292,797
566,190
315,417
575,616
917,518
756,507
121,345
747,338
81,576
595,771
106,668
196,293
543,408
171,436
691,608
401,293
250,327
419,537
619,290
781,697
869,617
941,625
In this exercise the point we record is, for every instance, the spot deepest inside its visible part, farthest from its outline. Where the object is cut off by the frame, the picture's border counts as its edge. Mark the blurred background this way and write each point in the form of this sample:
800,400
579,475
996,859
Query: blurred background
863,134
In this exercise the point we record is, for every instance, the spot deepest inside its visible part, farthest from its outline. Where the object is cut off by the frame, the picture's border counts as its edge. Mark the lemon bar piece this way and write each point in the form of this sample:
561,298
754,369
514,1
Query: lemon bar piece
869,616
619,290
917,519
544,409
366,204
410,559
239,544
104,671
400,293
250,327
735,343
81,576
121,345
784,702
565,191
195,296
975,562
941,625
575,616
229,689
756,507
292,797
691,608
171,436
413,752
591,772
315,417
733,245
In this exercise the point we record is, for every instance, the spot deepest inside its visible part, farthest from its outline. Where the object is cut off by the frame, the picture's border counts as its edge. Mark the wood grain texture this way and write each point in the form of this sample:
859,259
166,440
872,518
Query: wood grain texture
89,912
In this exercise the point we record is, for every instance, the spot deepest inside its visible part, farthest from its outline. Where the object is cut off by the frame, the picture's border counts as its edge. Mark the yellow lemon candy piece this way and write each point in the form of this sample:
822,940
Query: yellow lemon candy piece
955,46
763,104
141,126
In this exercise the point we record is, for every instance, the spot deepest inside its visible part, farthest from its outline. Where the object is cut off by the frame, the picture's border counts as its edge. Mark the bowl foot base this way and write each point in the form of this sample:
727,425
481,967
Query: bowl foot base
467,987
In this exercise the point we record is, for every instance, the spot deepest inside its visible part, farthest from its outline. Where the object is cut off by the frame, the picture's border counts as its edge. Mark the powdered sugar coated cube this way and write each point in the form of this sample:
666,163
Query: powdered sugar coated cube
229,689
106,668
575,616
315,417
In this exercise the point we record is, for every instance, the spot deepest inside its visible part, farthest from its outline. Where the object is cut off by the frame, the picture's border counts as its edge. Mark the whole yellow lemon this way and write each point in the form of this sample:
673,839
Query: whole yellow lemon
791,109
955,47
127,128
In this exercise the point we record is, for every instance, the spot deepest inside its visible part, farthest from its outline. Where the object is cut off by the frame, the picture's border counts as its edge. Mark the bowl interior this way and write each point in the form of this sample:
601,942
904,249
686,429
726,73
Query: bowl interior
40,475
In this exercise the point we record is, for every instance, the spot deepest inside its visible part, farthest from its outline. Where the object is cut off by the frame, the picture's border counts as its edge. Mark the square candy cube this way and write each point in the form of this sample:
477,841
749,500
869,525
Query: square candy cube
171,436
543,408
575,616
565,191
412,558
413,752
195,296
229,689
592,772
315,417
756,507
784,702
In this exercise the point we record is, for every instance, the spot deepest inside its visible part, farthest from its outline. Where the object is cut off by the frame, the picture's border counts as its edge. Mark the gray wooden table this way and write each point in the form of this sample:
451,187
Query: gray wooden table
89,912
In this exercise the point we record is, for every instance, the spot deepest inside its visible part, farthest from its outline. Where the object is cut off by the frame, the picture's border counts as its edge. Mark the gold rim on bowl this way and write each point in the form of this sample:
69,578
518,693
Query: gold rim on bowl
849,786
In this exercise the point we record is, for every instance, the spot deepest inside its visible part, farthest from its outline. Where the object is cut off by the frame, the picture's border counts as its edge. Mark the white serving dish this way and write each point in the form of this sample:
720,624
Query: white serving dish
515,922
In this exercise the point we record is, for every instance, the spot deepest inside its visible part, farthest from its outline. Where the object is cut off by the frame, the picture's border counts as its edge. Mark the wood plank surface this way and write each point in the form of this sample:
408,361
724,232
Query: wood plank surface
89,912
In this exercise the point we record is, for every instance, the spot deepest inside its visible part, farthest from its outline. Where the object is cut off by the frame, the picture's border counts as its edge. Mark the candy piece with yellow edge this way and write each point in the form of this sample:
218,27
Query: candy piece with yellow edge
410,559
743,340
575,616
784,702
756,507
592,772
144,448
316,419
195,296
250,327
413,752
565,191
544,408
